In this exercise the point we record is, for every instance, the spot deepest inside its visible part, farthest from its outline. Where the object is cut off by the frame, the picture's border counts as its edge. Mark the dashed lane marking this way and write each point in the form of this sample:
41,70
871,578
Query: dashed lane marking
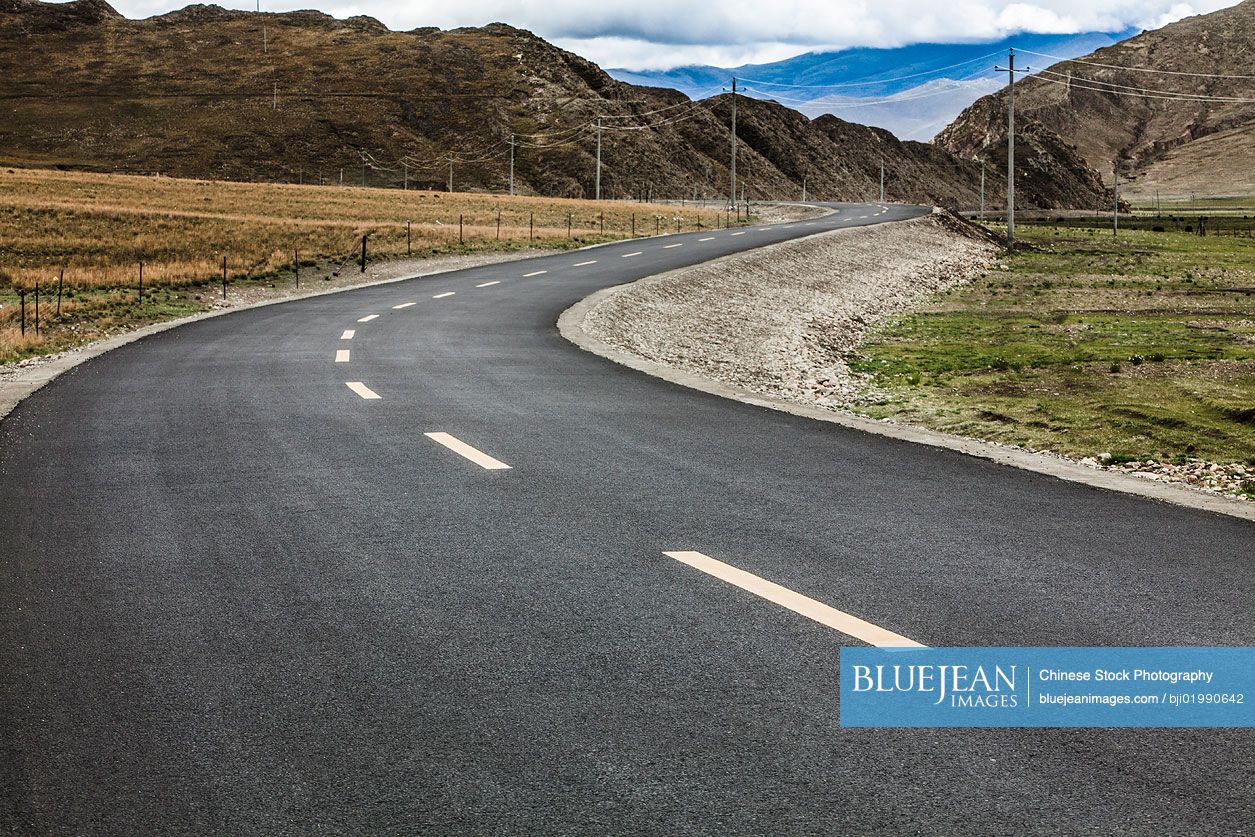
443,295
368,318
585,264
709,238
342,356
489,284
348,334
403,305
671,246
461,448
830,617
534,273
738,233
362,390
630,255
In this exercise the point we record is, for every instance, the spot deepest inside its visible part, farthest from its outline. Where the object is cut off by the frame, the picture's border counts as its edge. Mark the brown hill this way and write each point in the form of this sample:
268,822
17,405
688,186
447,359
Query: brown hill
207,92
1145,120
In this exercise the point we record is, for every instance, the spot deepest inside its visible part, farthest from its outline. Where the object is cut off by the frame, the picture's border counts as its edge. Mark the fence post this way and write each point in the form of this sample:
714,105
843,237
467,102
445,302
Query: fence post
36,306
498,224
22,295
531,226
602,215
677,224
296,267
568,225
633,225
60,282
363,254
657,225
409,246
141,281
224,277
461,240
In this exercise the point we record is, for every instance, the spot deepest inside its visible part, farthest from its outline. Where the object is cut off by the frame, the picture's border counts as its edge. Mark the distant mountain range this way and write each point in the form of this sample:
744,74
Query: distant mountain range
928,85
202,92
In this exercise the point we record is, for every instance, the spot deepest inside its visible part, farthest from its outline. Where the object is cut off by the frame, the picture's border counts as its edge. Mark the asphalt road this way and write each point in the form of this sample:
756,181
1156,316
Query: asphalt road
236,597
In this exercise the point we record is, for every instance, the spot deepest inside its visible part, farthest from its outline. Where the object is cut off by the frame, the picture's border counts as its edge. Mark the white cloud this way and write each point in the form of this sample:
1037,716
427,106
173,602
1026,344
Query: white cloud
638,54
1178,11
642,34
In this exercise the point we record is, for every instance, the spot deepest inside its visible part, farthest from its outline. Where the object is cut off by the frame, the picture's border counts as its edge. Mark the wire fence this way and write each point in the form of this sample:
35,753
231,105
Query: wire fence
53,303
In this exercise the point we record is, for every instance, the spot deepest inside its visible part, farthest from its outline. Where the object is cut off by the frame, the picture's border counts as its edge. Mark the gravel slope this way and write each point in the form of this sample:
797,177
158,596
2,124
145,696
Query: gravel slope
781,321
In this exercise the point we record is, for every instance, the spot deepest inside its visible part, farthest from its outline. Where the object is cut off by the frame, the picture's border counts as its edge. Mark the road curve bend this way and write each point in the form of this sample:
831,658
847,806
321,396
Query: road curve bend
402,560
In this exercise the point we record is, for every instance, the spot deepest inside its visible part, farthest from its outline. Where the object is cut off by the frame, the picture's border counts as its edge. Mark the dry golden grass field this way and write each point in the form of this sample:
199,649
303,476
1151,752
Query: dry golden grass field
90,232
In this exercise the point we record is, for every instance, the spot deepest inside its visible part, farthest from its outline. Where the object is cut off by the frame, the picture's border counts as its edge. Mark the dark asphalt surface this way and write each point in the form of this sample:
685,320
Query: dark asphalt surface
235,598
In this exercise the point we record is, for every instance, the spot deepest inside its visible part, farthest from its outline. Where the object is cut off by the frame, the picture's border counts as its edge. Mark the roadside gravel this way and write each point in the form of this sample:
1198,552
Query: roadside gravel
781,321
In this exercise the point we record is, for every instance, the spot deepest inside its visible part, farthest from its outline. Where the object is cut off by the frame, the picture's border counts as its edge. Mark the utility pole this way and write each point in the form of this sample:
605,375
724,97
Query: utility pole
406,182
882,179
450,172
275,104
1115,200
732,191
363,174
597,188
512,165
982,190
1010,148
265,41
803,188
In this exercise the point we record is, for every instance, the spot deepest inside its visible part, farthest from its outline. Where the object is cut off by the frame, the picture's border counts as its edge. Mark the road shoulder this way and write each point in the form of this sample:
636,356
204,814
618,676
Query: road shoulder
571,325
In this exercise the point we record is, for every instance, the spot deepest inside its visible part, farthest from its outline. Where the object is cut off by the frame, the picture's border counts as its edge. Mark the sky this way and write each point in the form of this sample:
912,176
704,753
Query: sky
661,34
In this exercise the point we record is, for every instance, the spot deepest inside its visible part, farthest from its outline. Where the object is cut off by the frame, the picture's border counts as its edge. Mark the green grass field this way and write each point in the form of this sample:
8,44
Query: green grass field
1141,346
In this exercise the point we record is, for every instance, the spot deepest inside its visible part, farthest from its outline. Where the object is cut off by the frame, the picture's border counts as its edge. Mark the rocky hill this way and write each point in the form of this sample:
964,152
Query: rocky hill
1155,102
207,92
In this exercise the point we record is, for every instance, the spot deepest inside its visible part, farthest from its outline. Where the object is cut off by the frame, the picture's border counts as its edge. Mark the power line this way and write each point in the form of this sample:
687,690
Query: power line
683,117
1174,93
1171,97
860,102
1135,69
650,112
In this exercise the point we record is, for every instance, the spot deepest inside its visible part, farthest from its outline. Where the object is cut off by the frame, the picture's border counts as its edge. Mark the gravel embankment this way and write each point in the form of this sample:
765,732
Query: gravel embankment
781,321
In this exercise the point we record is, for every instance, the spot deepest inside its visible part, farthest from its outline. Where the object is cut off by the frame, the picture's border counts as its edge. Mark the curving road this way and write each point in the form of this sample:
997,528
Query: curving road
238,597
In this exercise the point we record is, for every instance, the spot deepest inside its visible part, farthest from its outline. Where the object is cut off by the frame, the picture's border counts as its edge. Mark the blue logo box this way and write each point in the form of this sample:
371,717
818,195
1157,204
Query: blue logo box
1047,687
